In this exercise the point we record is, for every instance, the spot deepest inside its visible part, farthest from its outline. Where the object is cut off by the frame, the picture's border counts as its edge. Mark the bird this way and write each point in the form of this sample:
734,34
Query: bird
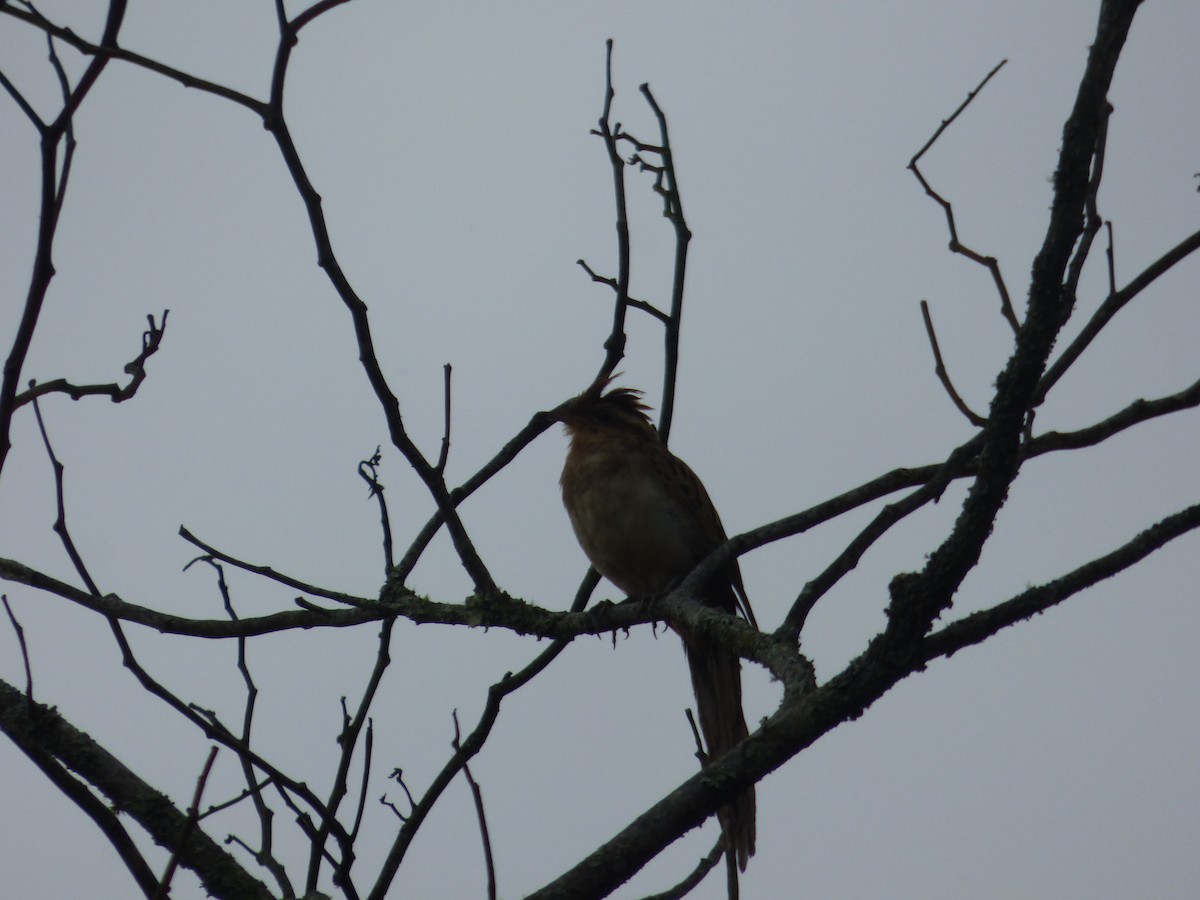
644,521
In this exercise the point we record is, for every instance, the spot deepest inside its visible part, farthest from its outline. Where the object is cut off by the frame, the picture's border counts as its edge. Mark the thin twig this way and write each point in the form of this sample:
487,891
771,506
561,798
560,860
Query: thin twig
939,369
1091,218
278,577
60,521
50,202
614,346
956,246
211,726
235,799
24,105
265,854
444,455
632,301
667,186
348,741
688,884
20,632
946,123
1110,307
368,471
64,85
1109,255
397,775
477,796
368,753
69,37
275,122
189,823
848,559
473,743
135,368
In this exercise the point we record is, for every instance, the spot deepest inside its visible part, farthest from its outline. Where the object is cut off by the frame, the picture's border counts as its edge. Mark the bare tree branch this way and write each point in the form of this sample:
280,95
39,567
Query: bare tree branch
956,246
104,51
60,519
979,626
645,307
939,369
43,730
697,875
276,123
348,741
477,797
136,369
918,598
264,855
444,455
667,185
189,825
52,135
20,633
272,575
1110,307
991,460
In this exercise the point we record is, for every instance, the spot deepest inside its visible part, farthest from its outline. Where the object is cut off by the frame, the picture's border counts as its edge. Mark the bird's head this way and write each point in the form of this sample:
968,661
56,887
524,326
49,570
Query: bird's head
619,409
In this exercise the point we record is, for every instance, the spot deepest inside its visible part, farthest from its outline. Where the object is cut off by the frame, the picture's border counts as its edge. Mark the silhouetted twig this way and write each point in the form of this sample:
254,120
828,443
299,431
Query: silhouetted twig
939,369
189,824
20,633
136,369
477,797
956,246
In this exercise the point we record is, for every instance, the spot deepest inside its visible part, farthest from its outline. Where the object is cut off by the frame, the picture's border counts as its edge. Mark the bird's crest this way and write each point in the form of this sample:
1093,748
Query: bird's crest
618,408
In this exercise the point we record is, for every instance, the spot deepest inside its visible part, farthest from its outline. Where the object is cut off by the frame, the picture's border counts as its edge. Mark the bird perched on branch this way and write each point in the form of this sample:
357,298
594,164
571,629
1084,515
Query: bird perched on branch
644,520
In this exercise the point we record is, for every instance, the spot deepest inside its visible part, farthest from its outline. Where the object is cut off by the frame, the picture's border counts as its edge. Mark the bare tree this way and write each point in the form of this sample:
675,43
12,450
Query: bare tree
329,822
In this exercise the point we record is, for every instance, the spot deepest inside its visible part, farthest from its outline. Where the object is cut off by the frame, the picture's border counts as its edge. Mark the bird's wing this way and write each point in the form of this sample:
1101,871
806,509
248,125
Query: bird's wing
709,532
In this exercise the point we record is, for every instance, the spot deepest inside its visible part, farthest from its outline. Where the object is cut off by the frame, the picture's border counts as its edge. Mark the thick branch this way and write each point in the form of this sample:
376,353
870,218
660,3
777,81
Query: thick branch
979,626
41,729
917,599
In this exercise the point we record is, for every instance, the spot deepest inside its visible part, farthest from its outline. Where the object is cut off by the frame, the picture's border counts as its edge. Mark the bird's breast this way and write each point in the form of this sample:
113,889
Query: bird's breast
626,521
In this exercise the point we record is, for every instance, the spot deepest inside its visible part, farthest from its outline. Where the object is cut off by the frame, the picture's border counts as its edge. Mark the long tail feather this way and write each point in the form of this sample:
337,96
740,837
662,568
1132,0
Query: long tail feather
717,682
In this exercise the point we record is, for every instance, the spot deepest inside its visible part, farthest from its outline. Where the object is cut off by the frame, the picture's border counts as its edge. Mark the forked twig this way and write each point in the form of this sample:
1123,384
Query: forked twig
272,574
632,301
264,855
666,184
1110,307
956,246
614,346
136,368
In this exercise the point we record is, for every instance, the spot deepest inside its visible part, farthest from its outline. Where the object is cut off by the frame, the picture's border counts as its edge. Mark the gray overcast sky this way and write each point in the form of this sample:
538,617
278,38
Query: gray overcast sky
450,143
